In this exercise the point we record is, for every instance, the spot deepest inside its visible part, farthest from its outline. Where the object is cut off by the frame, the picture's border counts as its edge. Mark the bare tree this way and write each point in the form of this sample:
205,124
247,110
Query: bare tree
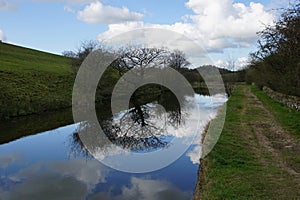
70,54
139,57
82,52
177,60
231,63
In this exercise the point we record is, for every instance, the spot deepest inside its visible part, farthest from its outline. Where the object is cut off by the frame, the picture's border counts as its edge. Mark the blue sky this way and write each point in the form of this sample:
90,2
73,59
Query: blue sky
228,27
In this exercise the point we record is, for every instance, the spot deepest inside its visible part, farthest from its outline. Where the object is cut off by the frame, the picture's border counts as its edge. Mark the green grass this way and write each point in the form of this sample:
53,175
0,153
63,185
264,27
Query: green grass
233,169
32,81
231,162
19,59
287,117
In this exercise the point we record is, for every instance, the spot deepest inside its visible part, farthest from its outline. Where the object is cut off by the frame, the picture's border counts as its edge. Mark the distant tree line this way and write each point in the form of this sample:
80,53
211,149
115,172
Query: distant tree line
132,57
141,57
276,63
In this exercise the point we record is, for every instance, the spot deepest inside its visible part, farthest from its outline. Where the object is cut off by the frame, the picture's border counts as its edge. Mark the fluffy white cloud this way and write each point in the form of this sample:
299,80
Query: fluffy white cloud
223,18
2,36
96,12
156,35
215,25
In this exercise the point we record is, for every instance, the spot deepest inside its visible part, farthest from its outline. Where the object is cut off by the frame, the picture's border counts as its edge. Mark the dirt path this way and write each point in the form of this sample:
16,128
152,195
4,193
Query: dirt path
273,144
255,157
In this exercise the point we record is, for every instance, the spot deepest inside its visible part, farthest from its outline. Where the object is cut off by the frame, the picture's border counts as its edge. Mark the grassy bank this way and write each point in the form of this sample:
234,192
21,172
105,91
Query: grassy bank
32,81
287,117
250,161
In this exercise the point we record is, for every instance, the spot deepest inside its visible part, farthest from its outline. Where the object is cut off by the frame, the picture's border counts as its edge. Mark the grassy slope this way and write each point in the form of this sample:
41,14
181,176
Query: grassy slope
237,168
32,81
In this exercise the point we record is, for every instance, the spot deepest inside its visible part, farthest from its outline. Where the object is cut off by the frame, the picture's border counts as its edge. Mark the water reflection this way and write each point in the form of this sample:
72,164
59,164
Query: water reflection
54,180
142,128
166,129
137,129
78,179
147,189
40,166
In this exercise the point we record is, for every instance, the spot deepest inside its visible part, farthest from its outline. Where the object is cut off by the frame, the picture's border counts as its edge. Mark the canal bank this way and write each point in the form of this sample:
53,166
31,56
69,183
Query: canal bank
257,155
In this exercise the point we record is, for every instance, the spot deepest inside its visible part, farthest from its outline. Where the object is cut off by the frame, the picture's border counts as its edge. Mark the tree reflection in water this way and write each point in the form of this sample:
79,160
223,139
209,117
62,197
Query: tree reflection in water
142,128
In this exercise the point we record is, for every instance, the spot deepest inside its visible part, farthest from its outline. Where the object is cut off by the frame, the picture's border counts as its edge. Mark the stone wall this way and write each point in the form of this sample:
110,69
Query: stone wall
290,101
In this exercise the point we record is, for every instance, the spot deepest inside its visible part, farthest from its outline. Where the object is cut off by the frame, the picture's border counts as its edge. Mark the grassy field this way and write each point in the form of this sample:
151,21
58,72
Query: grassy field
257,155
32,81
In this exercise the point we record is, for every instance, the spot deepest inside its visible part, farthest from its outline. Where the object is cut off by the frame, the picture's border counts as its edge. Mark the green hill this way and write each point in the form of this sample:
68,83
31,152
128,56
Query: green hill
32,81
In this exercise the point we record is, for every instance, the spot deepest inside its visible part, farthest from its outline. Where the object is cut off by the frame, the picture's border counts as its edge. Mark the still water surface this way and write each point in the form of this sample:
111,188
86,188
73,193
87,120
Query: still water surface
56,165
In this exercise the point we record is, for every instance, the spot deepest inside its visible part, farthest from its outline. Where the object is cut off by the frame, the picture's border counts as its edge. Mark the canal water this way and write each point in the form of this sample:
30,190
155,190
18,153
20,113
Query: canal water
56,164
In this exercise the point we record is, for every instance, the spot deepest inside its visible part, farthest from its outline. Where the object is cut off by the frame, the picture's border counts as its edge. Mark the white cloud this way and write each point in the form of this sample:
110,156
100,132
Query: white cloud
225,19
90,173
77,179
215,25
227,22
176,36
239,63
72,179
147,189
2,36
96,12
242,62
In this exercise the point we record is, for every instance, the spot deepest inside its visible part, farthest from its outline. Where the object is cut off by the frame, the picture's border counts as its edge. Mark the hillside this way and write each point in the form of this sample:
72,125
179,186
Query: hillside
32,81
20,59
